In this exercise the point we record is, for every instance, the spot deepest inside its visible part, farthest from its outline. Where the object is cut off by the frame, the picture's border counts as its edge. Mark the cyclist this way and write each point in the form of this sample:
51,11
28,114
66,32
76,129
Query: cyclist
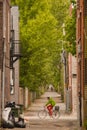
50,104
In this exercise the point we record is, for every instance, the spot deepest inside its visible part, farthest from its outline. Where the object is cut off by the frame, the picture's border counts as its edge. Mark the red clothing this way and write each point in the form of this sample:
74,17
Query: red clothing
50,107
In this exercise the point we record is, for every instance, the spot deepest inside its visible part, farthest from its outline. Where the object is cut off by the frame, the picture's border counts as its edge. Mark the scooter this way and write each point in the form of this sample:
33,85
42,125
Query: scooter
8,117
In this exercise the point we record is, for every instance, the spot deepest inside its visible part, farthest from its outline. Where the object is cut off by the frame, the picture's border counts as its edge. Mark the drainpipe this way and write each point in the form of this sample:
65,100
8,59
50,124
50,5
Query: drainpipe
64,60
66,85
3,58
80,83
80,57
80,97
3,76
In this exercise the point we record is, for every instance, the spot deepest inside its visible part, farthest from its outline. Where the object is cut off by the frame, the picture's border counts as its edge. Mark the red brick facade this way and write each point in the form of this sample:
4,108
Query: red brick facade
82,57
1,32
1,43
7,53
4,52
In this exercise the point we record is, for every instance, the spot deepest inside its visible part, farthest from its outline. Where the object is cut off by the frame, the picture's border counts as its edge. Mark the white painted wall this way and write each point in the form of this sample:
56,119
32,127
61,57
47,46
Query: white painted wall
15,27
74,86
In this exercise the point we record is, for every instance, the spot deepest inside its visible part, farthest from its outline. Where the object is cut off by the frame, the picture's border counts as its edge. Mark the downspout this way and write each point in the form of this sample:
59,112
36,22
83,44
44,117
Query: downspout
3,58
3,76
80,65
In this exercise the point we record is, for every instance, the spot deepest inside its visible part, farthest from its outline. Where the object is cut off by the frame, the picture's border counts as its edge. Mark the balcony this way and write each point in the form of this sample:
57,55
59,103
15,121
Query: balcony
14,50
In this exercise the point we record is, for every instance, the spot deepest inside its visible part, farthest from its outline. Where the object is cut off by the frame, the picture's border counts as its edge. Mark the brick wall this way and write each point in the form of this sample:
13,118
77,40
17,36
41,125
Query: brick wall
80,58
4,53
6,58
1,34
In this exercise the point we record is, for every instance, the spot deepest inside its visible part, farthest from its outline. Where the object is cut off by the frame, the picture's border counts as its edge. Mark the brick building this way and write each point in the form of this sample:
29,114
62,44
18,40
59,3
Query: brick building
72,84
9,54
82,58
4,52
15,54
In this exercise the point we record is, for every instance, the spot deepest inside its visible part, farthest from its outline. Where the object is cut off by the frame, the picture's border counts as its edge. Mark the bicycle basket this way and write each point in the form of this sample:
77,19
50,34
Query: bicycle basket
57,108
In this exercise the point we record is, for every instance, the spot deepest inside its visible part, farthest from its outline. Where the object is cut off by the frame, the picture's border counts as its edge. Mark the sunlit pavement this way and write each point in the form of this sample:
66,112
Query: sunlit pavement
66,121
32,111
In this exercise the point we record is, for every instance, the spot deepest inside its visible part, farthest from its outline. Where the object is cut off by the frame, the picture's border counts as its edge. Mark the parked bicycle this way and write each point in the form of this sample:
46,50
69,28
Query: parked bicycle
42,114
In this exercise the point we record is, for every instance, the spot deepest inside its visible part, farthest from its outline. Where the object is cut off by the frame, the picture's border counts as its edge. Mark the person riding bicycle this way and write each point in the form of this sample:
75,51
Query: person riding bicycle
50,104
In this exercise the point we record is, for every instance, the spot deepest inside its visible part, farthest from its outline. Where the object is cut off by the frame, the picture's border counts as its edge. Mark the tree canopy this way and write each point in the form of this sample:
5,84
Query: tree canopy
40,32
70,27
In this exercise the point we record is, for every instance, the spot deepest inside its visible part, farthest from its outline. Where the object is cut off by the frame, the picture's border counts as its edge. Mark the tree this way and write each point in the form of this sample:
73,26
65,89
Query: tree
40,31
70,28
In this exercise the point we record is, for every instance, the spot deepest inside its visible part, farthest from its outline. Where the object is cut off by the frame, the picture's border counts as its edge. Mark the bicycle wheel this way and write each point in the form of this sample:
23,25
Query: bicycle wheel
56,114
42,114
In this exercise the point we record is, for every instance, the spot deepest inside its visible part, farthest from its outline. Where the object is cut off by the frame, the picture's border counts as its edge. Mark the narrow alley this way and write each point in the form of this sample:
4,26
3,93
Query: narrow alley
64,122
43,43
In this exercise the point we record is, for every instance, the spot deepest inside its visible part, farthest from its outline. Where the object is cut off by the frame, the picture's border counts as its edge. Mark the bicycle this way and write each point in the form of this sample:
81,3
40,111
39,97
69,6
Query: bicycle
42,114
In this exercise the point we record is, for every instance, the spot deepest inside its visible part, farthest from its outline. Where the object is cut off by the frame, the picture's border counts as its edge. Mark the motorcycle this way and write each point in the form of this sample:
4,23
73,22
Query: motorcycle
8,117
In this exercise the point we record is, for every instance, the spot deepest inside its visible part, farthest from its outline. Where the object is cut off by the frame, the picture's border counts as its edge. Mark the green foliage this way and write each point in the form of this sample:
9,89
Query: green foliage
70,29
40,29
85,124
60,10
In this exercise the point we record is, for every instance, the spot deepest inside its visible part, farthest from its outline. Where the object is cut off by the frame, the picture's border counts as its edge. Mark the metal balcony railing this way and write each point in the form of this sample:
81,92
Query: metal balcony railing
15,48
15,53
